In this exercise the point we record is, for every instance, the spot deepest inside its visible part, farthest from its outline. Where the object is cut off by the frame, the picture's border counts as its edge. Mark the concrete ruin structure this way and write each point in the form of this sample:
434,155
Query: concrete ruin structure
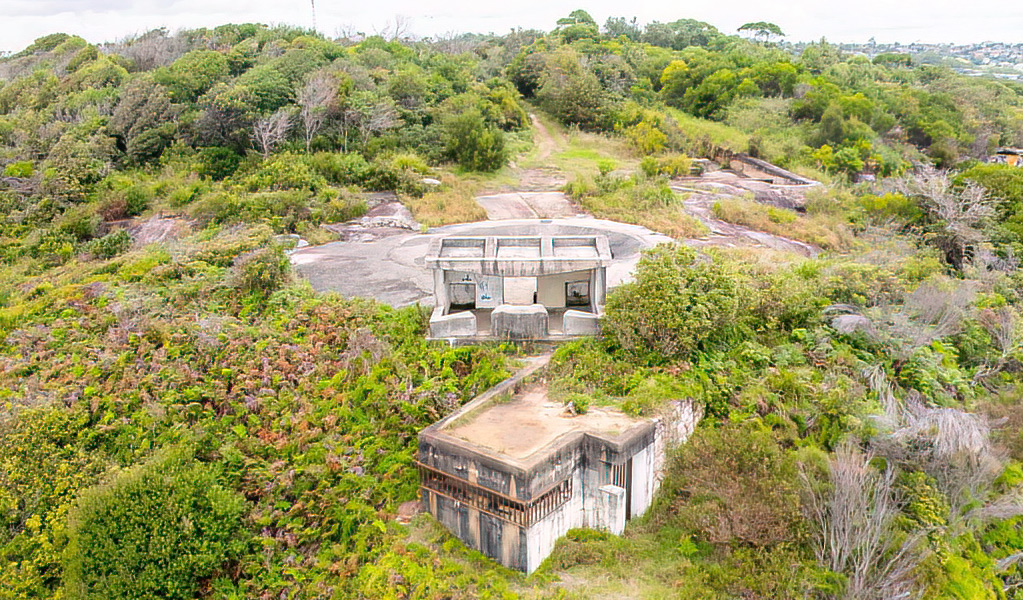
535,287
511,472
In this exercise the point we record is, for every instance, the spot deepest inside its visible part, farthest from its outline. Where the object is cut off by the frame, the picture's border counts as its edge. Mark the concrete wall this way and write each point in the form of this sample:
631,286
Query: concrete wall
503,541
542,536
576,322
673,428
460,324
489,290
644,480
610,515
550,289
519,291
520,322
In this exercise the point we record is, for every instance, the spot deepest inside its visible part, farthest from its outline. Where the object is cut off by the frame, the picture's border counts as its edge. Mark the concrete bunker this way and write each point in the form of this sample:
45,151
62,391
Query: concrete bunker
531,287
511,472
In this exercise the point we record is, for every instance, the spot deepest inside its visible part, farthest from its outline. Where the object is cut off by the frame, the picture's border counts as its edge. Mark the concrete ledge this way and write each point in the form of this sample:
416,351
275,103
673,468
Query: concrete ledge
520,322
460,324
577,322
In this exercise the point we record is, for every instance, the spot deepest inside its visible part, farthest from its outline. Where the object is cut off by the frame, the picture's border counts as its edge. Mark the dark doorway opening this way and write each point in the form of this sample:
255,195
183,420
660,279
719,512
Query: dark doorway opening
577,293
462,296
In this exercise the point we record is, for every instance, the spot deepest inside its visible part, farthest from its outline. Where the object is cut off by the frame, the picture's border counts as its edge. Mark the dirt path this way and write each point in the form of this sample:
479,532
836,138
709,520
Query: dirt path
545,143
542,177
699,203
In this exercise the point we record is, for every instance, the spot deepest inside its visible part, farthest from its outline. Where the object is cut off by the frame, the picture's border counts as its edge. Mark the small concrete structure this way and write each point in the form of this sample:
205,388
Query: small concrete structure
1008,156
519,287
511,472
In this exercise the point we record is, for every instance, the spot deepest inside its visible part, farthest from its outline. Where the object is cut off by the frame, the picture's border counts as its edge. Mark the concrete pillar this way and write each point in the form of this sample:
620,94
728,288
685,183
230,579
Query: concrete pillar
611,509
598,289
440,291
643,480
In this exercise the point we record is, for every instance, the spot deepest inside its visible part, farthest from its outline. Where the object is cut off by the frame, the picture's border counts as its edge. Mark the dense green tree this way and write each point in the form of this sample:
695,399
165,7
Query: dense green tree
154,531
677,305
269,87
193,74
137,120
473,143
621,27
762,30
571,92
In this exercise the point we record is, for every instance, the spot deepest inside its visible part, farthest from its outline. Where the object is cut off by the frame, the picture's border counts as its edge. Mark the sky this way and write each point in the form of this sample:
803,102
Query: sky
902,21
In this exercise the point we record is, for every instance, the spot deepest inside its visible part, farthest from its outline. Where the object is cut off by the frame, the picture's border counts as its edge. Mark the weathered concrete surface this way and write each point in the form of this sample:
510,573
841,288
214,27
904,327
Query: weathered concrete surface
577,322
611,509
460,324
728,183
392,269
512,322
528,205
531,421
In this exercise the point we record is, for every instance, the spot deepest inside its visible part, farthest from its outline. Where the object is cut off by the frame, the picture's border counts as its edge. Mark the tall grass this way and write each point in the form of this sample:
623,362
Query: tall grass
826,231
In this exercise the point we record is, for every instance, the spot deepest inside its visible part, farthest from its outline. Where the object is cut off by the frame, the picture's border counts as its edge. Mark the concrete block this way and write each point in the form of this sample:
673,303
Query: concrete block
611,509
460,324
577,322
519,322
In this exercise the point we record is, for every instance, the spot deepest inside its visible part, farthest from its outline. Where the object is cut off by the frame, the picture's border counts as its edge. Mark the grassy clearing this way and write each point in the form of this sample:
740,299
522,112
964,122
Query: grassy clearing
575,152
827,231
698,131
649,202
454,202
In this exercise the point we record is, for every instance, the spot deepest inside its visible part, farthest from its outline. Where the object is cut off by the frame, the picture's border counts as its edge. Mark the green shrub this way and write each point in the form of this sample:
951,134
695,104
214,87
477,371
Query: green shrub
741,488
136,200
284,171
672,165
579,188
155,531
262,272
472,143
110,245
22,168
676,305
217,162
341,169
891,206
579,403
401,172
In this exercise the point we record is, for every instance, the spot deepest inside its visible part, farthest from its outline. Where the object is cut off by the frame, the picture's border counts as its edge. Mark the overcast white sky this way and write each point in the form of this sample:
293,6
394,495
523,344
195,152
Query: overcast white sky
887,20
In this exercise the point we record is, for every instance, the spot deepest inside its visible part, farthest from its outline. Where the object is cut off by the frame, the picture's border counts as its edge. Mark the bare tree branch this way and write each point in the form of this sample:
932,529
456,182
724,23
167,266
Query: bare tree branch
316,99
267,133
854,516
959,212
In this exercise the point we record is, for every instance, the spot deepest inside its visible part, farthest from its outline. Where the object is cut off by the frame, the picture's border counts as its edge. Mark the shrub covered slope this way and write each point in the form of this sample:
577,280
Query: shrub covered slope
181,418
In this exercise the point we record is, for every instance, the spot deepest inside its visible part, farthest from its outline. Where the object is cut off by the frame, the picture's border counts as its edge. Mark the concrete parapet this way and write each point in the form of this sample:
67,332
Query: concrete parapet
577,322
460,324
520,322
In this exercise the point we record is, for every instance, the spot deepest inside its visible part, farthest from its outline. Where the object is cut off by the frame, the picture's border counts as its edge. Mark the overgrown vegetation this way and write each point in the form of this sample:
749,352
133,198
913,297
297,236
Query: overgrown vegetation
180,417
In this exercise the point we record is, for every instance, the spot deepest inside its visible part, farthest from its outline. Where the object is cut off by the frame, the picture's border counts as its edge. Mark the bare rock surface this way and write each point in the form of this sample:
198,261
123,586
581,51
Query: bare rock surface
528,205
392,268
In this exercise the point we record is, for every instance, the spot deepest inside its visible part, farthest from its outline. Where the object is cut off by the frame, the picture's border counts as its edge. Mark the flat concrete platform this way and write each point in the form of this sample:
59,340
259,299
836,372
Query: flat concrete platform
528,205
530,422
392,269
